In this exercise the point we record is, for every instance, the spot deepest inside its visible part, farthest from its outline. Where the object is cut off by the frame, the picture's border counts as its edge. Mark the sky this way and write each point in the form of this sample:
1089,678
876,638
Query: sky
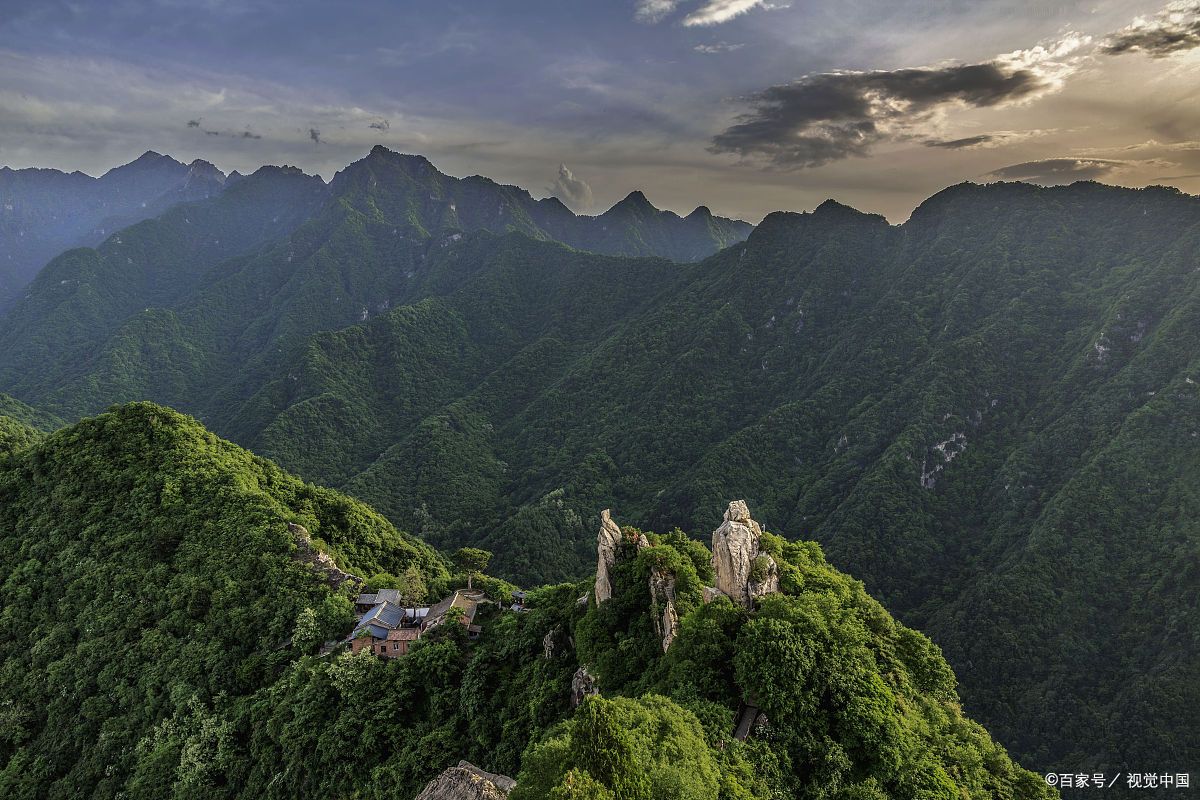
746,106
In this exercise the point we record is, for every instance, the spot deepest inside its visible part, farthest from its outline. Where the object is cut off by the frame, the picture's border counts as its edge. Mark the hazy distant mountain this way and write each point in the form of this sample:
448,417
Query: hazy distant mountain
431,201
45,211
311,257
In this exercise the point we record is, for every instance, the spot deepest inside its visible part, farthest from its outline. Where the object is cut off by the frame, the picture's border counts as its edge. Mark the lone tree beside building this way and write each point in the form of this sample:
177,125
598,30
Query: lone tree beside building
472,561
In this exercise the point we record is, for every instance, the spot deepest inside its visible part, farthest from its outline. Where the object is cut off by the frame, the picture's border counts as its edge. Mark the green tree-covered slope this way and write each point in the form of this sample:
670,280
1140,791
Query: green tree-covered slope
987,413
14,409
151,579
159,633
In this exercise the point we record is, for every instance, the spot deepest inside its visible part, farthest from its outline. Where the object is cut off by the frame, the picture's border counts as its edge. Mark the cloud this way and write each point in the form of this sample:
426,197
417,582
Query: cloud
315,135
718,47
572,190
712,12
246,134
380,125
1060,170
1174,29
984,140
836,115
966,143
651,11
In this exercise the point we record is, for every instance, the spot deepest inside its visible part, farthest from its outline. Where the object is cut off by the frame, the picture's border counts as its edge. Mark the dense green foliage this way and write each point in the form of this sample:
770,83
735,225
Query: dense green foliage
987,414
150,584
15,435
158,638
857,705
14,409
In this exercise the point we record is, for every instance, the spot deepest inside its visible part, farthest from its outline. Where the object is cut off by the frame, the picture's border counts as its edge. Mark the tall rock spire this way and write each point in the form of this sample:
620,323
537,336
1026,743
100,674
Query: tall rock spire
606,554
742,572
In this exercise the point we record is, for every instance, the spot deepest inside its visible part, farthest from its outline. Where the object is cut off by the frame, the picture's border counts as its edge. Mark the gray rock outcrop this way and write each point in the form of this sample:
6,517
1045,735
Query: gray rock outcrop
764,576
321,562
607,542
662,605
742,572
467,782
583,684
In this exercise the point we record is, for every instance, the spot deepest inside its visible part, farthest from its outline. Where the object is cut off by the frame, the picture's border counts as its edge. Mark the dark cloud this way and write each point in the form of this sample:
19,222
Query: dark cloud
962,144
1058,170
246,134
380,125
1175,29
572,190
315,135
831,116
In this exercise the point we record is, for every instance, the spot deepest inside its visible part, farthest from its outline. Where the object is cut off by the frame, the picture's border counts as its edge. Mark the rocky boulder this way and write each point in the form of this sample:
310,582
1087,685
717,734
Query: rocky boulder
467,782
740,573
583,684
764,576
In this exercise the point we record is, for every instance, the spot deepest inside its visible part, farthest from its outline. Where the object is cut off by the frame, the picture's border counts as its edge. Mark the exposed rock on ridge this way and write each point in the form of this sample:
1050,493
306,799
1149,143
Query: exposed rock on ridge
467,782
321,562
607,542
583,684
742,572
662,604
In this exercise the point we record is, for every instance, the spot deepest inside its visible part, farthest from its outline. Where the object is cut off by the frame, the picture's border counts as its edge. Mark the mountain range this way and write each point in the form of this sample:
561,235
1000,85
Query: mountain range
987,414
45,211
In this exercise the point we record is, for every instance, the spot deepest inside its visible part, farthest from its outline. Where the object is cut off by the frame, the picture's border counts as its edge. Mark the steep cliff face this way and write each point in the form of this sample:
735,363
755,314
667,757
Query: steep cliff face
467,782
742,572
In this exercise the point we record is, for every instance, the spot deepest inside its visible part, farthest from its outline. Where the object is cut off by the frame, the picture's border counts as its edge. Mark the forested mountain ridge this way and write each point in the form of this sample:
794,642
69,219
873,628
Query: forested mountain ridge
989,411
173,307
986,413
161,634
417,193
45,211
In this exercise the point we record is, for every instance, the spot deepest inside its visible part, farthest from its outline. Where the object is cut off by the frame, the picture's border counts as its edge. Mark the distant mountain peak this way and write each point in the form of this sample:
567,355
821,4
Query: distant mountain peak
381,153
700,212
634,201
831,206
204,169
